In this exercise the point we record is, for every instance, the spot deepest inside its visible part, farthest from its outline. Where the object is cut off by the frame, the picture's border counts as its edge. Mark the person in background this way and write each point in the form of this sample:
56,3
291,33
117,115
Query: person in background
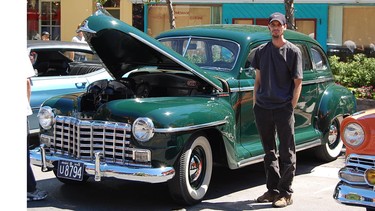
33,193
278,84
45,36
77,56
79,37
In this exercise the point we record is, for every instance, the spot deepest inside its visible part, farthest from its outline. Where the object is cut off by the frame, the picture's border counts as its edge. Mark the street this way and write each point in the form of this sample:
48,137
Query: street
229,190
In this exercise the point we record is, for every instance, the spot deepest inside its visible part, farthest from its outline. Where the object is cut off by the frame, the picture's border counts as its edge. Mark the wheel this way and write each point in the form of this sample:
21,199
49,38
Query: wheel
193,172
71,182
333,144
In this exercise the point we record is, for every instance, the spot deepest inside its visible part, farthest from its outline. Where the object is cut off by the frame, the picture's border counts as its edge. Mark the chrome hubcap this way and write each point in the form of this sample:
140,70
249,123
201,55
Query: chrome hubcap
332,137
195,168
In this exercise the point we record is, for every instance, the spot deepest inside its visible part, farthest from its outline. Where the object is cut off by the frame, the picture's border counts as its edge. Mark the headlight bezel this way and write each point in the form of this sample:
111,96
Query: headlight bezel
143,129
354,135
46,117
368,173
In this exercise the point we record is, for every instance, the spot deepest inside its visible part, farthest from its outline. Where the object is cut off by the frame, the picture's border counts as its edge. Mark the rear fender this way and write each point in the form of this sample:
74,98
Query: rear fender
336,102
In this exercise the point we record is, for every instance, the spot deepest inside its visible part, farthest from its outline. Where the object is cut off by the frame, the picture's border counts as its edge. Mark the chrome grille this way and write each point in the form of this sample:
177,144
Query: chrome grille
80,139
362,162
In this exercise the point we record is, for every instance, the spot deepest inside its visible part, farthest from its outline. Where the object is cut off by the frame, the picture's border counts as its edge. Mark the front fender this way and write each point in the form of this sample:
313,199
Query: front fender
336,102
64,104
169,112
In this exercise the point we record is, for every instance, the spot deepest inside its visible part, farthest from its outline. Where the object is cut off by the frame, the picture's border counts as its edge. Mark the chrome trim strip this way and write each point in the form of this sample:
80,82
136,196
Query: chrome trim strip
304,83
309,145
32,131
148,175
259,158
189,128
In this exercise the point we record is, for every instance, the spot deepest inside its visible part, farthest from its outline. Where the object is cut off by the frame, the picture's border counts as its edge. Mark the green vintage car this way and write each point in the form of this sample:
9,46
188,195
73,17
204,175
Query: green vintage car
179,104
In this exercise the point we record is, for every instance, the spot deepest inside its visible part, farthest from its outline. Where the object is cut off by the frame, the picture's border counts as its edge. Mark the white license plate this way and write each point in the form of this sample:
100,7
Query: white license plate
70,170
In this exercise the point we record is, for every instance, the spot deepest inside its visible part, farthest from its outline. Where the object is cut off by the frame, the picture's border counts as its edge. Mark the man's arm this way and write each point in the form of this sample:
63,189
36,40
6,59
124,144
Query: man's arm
296,91
28,89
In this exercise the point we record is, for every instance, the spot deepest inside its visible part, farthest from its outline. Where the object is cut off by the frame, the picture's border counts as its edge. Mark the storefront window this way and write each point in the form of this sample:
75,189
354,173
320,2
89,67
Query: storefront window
43,16
306,26
357,27
138,20
33,20
185,15
350,31
243,21
113,7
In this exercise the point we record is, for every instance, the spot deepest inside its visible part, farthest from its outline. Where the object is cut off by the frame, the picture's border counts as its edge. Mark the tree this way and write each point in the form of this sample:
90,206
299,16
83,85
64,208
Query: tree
289,14
172,20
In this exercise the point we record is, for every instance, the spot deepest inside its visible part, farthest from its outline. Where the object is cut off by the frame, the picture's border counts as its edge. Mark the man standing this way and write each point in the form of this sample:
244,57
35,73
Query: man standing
278,85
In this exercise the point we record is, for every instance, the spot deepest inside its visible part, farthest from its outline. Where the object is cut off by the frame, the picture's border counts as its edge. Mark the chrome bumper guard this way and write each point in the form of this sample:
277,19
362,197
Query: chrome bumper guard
352,195
99,169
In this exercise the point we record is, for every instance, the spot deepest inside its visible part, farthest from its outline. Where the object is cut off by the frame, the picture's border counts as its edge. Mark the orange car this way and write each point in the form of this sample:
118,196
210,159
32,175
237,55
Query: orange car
357,177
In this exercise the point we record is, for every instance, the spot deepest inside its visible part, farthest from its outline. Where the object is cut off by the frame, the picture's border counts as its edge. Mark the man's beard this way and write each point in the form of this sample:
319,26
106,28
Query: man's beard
276,36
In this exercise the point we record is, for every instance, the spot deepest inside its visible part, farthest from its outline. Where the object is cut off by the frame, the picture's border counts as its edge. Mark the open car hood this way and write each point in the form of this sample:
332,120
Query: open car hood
123,48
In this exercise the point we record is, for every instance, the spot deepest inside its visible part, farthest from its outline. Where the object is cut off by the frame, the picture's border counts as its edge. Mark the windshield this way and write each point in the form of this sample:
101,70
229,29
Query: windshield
212,54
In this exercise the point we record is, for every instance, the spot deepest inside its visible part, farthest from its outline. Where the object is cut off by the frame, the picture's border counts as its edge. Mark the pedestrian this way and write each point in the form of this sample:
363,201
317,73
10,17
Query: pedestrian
278,84
33,193
79,37
78,56
45,35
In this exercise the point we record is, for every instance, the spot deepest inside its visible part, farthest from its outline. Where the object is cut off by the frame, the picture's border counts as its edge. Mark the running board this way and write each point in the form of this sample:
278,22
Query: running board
259,158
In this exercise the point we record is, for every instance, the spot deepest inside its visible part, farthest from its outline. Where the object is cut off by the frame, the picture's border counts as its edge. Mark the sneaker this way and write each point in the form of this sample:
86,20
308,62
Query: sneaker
282,201
36,195
268,196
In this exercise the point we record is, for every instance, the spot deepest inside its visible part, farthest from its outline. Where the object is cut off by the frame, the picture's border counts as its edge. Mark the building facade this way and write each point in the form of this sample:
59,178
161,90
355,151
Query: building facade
61,17
330,22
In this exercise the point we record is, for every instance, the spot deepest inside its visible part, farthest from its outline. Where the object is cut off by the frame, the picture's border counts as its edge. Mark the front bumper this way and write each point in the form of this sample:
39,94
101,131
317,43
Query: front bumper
352,188
352,195
99,169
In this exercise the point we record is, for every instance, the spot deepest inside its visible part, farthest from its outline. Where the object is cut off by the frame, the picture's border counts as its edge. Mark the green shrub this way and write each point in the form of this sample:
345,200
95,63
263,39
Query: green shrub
358,74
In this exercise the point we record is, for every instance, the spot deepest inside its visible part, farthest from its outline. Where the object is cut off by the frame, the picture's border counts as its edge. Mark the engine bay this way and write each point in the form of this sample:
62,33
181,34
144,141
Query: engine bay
143,85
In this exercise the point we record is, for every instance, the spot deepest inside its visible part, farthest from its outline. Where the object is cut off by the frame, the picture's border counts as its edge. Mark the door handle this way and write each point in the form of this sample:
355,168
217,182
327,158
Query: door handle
81,85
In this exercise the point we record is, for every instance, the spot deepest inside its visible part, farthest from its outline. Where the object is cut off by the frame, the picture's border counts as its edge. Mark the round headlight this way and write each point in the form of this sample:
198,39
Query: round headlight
143,129
354,134
370,176
46,117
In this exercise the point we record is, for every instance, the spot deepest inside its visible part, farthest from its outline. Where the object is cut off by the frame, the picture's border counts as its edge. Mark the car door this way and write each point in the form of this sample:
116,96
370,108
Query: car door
304,112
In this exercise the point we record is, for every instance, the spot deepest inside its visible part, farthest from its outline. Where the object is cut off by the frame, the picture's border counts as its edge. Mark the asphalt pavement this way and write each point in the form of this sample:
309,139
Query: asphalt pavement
229,190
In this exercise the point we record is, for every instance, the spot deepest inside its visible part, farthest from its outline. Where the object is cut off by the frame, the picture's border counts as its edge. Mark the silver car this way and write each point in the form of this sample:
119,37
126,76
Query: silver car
60,68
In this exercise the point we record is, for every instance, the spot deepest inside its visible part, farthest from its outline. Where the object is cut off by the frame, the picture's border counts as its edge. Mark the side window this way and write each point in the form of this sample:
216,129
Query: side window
221,54
250,58
196,51
249,70
306,64
318,59
222,57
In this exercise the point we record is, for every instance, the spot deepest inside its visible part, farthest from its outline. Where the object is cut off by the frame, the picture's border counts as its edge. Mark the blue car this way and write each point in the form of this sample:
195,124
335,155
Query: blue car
60,68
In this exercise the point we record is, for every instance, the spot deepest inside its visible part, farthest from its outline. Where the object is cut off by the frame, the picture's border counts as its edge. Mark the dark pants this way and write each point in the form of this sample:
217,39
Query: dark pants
31,183
280,170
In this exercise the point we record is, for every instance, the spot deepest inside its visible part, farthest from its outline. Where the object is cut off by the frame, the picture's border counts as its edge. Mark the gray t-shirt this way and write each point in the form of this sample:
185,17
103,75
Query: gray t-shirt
278,67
